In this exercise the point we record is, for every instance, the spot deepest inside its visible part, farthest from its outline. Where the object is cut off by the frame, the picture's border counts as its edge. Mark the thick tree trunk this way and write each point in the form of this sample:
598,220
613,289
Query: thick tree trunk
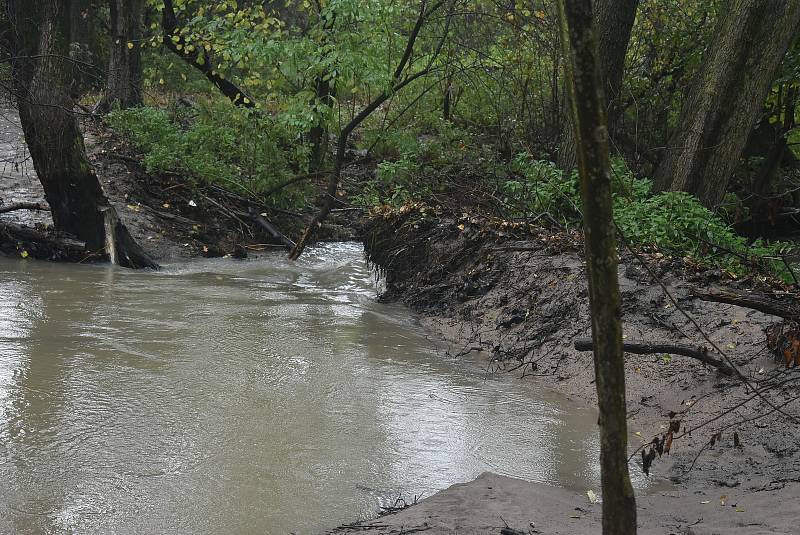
41,78
125,78
613,21
594,165
726,96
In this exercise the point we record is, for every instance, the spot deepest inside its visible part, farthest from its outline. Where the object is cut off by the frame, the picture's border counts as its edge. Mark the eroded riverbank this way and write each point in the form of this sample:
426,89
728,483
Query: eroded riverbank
518,297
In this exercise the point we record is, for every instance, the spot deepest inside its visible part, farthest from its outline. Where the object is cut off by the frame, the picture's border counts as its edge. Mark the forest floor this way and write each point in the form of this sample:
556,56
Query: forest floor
516,295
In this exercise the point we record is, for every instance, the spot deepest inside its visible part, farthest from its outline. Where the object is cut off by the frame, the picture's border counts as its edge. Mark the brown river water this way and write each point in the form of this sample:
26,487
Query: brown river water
257,396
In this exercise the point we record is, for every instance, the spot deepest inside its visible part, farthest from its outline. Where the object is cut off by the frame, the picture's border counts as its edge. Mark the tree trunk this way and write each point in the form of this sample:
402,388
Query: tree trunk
41,78
318,134
594,165
613,21
726,96
125,79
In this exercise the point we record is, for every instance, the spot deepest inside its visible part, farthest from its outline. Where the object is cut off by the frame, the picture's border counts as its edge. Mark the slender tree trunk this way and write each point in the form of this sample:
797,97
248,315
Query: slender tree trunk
41,75
594,165
199,58
613,20
318,134
125,78
726,96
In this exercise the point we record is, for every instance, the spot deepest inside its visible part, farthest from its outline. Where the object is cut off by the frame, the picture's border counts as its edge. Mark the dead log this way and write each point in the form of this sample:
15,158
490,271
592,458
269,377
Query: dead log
18,239
701,354
788,309
5,208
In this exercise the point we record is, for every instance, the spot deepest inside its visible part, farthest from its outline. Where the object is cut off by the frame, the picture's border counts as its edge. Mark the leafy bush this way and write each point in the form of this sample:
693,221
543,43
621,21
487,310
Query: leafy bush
673,221
242,150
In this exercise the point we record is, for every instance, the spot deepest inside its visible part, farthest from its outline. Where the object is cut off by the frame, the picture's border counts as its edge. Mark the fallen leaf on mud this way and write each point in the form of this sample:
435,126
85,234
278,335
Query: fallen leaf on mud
740,509
165,205
575,516
723,499
638,433
704,502
592,496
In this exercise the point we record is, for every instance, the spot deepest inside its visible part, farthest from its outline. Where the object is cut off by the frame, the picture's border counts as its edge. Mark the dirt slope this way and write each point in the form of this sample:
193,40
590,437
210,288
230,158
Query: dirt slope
518,295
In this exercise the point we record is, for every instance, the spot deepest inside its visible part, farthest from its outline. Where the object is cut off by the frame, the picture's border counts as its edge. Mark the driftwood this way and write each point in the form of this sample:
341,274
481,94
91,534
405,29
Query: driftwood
788,309
701,354
272,230
4,208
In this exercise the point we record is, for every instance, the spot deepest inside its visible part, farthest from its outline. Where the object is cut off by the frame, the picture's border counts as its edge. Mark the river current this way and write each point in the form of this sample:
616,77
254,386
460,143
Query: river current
259,396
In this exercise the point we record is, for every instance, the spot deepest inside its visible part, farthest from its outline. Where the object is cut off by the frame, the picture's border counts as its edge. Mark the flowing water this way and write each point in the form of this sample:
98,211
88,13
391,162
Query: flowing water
247,397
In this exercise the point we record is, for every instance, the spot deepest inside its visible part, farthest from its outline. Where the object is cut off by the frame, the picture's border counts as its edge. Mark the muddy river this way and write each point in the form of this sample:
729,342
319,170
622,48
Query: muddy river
247,397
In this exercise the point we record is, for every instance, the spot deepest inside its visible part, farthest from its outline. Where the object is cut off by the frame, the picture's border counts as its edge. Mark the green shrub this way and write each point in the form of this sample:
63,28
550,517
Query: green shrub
242,150
674,222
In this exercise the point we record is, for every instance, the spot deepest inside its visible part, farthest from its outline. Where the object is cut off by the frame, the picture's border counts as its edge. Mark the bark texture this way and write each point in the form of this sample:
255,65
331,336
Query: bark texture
40,33
594,166
613,20
726,96
125,78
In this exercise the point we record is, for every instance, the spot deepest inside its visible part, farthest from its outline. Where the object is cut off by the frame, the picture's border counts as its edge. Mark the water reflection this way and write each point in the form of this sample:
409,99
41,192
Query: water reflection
252,396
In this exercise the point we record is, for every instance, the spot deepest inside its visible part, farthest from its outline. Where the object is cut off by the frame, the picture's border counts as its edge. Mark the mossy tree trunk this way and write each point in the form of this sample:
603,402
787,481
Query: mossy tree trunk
41,72
613,21
594,165
125,78
726,96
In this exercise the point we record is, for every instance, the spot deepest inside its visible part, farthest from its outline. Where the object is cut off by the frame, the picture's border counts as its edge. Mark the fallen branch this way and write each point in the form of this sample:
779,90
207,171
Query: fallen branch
272,229
789,309
4,208
199,58
701,354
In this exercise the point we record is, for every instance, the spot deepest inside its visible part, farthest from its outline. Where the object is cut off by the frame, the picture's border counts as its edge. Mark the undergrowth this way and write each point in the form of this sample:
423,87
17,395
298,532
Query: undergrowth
240,149
524,187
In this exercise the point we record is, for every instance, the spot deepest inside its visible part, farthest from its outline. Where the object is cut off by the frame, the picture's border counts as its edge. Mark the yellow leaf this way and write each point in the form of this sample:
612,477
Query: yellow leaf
130,45
24,254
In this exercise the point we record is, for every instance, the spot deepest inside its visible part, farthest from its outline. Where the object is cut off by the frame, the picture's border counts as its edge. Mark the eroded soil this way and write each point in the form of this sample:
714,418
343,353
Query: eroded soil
518,296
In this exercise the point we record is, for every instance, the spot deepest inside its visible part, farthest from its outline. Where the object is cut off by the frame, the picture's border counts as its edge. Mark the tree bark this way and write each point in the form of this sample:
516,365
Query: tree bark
594,166
613,21
40,69
726,96
125,79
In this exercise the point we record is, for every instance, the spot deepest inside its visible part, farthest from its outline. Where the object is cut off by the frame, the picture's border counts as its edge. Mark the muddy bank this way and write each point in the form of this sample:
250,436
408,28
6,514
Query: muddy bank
517,295
498,504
